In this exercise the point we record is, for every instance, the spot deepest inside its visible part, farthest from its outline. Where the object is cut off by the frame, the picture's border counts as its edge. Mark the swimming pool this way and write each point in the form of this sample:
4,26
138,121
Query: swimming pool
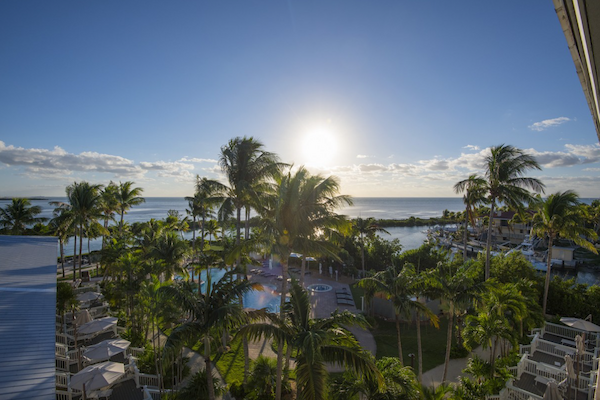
267,298
319,287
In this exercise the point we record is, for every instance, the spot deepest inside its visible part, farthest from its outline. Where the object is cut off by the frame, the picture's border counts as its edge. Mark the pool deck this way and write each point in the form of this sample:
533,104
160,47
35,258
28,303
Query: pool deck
323,304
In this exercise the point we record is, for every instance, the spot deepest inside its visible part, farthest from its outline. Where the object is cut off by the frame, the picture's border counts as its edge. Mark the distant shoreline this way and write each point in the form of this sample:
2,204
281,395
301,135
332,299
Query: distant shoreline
26,197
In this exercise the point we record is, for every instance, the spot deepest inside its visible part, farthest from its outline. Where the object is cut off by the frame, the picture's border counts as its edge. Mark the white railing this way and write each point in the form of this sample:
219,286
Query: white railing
147,380
119,329
521,366
570,333
62,364
560,350
63,379
61,349
63,395
100,311
136,352
550,372
154,394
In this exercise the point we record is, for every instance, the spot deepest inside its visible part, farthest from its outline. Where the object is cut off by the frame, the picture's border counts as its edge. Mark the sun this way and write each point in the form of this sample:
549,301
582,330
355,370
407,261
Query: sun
319,146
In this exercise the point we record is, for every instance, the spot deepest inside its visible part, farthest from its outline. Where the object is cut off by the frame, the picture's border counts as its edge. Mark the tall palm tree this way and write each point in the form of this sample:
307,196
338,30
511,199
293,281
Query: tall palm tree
109,205
171,250
365,228
84,199
504,170
209,194
302,205
17,215
316,341
247,167
127,196
457,288
473,187
62,225
398,286
560,215
208,314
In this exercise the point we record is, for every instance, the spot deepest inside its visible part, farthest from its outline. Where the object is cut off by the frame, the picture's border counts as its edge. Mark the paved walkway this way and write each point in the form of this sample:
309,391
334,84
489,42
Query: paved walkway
433,377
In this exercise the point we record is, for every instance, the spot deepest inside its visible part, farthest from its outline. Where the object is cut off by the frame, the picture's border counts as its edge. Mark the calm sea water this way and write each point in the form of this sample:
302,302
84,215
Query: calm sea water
380,208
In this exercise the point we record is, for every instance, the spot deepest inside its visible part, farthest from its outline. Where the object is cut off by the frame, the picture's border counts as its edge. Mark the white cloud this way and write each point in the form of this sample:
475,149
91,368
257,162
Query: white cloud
198,160
471,147
361,156
58,159
548,123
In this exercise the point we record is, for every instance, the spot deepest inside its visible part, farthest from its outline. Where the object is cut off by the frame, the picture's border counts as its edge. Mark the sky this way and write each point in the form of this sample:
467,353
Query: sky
395,98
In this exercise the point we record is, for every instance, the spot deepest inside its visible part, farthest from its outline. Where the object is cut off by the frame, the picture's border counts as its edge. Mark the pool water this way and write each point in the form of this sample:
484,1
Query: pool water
319,287
267,298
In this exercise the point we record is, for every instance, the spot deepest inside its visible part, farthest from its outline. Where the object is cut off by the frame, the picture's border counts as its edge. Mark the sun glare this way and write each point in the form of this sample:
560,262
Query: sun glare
319,147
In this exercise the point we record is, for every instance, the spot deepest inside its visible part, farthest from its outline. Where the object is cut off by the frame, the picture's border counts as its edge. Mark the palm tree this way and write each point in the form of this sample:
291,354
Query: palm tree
398,286
17,215
208,314
84,200
316,341
62,224
127,196
365,228
171,250
473,187
456,287
302,205
504,170
209,193
560,215
109,205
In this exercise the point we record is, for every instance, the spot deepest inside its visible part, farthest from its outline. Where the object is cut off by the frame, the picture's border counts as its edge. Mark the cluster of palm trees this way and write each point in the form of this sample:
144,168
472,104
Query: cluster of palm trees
561,214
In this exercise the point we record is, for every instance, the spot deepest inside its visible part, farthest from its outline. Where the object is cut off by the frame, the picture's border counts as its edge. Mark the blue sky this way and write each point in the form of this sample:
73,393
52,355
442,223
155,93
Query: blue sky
395,98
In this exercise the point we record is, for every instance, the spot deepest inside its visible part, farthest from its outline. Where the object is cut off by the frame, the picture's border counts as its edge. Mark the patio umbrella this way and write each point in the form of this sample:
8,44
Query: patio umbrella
106,349
580,324
97,376
98,325
580,344
570,369
597,391
83,317
88,296
552,392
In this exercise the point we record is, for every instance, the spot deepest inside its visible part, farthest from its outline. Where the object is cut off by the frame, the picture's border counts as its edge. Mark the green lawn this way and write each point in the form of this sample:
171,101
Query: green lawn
432,339
231,363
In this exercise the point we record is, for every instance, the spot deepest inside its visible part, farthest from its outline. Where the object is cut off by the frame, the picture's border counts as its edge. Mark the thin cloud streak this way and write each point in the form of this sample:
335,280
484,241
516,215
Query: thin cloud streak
548,123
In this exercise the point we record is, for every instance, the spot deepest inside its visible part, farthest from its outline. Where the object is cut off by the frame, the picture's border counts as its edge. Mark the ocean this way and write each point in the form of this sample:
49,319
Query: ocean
376,207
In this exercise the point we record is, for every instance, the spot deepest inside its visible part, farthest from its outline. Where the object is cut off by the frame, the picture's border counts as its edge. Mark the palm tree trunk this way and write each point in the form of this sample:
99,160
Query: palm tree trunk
448,342
548,267
399,340
209,377
74,254
489,242
362,255
194,241
302,270
62,256
202,232
280,355
419,347
466,237
80,250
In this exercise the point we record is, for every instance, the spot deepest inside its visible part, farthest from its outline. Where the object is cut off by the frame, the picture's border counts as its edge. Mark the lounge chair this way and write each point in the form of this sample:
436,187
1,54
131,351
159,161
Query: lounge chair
344,296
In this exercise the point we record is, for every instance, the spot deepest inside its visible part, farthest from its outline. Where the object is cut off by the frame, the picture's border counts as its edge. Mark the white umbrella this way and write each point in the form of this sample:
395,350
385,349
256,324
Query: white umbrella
106,349
552,392
597,392
97,376
580,324
580,344
569,367
88,296
97,325
83,317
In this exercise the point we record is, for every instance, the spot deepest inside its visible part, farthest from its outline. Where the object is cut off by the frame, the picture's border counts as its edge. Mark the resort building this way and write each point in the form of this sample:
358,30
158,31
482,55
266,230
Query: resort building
27,322
505,230
580,22
560,359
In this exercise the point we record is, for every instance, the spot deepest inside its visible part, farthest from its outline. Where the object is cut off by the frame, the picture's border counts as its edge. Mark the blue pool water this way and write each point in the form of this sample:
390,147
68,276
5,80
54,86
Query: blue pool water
267,298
